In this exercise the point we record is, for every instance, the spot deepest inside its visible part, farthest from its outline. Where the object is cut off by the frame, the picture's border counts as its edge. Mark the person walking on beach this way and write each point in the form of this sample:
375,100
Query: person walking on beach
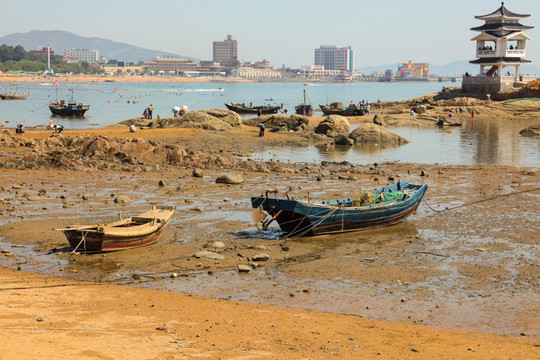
261,129
145,113
150,109
19,129
259,112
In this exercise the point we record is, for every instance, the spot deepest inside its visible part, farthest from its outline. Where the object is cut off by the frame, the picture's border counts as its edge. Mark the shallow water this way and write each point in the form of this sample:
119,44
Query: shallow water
478,142
111,103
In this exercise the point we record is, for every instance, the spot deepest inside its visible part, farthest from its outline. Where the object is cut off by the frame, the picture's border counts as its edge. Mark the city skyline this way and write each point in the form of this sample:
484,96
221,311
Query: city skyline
284,33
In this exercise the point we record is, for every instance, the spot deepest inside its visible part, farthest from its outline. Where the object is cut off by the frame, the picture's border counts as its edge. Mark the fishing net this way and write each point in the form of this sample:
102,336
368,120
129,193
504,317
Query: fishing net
363,198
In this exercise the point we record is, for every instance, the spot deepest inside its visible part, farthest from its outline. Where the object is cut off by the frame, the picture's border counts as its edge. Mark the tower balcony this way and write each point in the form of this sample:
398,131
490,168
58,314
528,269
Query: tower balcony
500,53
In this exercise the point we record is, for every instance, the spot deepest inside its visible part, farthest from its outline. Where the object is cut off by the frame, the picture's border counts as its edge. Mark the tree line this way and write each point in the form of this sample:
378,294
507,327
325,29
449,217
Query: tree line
18,59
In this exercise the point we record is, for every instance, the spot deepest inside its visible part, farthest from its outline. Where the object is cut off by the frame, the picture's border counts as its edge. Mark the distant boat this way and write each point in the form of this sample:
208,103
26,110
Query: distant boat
243,109
129,233
367,210
110,80
337,109
13,96
269,99
69,109
307,109
307,84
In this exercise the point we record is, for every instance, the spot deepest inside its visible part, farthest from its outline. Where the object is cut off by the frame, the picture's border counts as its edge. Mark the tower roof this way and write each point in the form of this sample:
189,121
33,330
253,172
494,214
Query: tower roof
500,26
500,60
502,13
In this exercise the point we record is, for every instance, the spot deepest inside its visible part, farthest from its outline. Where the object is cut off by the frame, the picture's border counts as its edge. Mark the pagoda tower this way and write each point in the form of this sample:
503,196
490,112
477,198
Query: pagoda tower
501,43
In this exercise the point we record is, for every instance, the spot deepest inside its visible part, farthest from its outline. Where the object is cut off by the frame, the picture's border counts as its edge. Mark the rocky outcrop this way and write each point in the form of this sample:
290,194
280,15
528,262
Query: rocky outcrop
84,152
375,134
213,119
280,122
333,126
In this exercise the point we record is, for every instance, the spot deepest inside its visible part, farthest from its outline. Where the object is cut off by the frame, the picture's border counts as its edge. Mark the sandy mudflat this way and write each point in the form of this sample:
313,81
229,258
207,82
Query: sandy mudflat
458,280
54,318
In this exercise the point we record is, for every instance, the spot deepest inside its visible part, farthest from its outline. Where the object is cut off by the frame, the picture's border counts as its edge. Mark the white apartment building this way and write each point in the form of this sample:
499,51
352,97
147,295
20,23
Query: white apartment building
334,58
81,55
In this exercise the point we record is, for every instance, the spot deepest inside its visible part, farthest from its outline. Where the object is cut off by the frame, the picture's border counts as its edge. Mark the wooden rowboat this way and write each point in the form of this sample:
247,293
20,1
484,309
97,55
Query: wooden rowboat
386,206
13,96
128,233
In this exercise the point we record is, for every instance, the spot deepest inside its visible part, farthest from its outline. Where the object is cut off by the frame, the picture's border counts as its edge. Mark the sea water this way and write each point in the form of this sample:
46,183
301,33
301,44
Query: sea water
480,141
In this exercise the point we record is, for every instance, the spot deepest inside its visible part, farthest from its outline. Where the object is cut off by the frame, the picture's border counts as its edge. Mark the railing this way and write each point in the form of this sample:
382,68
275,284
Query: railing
506,53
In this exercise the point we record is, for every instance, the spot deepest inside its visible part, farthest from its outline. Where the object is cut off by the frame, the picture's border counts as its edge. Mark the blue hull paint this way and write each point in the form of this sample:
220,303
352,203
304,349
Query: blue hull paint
302,218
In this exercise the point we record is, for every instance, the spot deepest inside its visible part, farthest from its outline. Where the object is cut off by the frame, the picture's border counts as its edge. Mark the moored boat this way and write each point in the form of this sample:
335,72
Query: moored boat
304,108
333,109
60,108
243,109
382,207
128,233
13,96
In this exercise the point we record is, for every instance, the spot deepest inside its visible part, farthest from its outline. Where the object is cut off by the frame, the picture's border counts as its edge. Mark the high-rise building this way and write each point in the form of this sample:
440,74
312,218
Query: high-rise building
334,58
226,52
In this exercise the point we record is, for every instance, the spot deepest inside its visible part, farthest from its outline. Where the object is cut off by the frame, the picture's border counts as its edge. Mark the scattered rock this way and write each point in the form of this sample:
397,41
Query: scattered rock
197,173
161,183
122,199
343,140
208,255
260,257
218,245
244,268
33,198
230,179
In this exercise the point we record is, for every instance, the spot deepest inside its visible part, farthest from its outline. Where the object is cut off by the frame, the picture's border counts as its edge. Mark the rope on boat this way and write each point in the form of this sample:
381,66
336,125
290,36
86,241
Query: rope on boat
83,239
312,226
481,200
41,107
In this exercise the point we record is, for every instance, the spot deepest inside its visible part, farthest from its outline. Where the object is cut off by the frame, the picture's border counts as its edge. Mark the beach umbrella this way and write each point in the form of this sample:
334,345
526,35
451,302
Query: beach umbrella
176,108
184,109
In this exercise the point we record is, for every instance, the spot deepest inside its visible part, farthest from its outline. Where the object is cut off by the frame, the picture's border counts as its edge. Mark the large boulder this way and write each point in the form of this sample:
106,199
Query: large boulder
213,119
333,126
375,134
280,121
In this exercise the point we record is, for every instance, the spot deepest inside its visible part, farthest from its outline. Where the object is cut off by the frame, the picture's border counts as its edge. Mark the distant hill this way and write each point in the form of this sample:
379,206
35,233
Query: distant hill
456,68
61,40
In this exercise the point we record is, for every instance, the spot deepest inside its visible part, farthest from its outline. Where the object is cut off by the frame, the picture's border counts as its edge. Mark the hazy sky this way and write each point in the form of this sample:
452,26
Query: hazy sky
283,32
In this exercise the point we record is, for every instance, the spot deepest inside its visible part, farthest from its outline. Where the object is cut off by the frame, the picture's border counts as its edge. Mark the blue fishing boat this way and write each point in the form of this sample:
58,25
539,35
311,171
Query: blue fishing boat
366,210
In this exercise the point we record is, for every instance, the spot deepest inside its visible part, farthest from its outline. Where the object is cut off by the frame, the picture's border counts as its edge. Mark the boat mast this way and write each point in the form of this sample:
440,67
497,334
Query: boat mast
48,56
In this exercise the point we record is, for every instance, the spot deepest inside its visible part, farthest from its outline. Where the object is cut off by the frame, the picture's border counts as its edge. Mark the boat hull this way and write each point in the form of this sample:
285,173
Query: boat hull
74,111
13,97
253,110
100,242
301,218
346,112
